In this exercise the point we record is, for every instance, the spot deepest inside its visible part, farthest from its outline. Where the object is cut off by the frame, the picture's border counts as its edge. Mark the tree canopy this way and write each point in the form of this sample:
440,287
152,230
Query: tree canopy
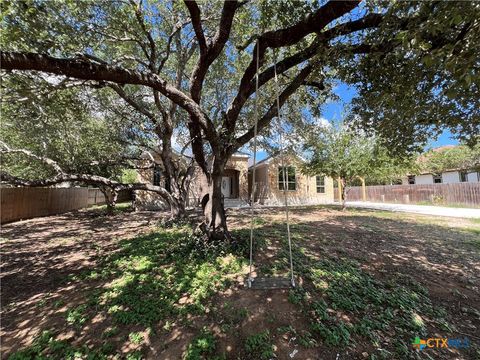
450,158
345,154
61,126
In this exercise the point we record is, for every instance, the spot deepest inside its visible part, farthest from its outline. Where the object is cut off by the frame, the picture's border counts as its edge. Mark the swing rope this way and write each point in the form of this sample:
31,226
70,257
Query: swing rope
283,153
284,175
254,185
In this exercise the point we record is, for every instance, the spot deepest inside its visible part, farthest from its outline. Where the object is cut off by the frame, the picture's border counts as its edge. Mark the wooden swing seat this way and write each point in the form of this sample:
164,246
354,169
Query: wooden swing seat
265,283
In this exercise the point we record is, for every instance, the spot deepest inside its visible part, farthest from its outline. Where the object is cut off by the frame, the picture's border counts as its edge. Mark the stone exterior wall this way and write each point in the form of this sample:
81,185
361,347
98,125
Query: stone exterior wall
147,200
306,188
198,186
240,163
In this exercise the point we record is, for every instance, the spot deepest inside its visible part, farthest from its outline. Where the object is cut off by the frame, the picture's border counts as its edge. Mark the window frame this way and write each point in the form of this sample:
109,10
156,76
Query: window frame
463,176
320,187
411,180
289,182
437,176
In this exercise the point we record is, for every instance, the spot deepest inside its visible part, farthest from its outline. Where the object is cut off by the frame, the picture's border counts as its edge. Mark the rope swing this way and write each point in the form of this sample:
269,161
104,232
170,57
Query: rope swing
269,283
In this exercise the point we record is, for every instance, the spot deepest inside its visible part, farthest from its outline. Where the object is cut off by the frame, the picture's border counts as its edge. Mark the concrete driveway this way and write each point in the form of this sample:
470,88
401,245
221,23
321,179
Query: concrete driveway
419,209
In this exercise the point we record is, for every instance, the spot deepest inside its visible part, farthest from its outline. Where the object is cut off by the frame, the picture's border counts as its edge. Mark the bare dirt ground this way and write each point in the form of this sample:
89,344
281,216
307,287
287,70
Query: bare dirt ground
40,256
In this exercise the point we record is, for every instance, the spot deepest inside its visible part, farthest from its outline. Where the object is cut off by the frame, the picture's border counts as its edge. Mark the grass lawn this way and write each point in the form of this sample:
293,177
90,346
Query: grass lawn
84,285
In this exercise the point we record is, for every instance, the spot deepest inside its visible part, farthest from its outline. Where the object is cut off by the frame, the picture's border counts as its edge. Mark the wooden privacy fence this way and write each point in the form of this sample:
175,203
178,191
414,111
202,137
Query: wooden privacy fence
24,203
449,194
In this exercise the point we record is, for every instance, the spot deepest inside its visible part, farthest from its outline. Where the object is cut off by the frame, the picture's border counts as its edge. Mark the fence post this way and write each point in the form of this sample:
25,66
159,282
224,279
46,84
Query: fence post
339,190
406,199
364,189
383,198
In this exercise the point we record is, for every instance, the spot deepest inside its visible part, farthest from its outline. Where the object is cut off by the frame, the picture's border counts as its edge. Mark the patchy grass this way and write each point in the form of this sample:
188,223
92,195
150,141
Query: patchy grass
119,208
259,346
202,347
46,346
441,204
368,283
348,306
161,275
149,279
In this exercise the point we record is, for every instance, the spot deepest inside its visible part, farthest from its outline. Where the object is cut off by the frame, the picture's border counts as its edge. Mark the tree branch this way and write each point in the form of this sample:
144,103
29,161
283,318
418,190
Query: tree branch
264,121
153,49
208,54
289,36
85,179
52,163
87,70
130,101
194,11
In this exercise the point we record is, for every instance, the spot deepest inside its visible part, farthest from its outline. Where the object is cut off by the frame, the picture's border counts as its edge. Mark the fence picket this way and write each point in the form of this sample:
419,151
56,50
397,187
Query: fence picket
449,194
24,203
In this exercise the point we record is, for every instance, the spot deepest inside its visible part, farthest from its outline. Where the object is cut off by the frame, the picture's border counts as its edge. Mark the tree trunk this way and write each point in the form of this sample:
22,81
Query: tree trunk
111,196
177,209
344,194
215,225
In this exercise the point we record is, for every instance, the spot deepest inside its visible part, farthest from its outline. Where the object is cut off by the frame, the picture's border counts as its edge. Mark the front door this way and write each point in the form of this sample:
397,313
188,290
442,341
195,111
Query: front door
226,186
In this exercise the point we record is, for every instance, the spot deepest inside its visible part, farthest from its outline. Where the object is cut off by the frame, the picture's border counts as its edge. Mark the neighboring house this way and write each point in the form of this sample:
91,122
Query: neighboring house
301,189
447,177
451,176
234,184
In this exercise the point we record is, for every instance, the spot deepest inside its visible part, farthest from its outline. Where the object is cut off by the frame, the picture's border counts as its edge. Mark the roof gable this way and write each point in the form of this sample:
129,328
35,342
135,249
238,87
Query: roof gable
273,156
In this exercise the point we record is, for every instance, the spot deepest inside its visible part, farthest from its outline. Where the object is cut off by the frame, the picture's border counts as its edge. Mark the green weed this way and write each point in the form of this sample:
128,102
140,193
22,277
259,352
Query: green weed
149,279
202,347
338,288
136,338
77,316
259,346
231,316
45,346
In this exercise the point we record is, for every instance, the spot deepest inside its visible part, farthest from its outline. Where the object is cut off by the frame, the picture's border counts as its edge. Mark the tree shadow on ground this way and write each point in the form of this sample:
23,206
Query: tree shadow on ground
366,282
39,255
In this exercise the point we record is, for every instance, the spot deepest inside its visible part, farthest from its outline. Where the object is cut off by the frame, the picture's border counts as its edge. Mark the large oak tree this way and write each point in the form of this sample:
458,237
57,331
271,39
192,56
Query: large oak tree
125,43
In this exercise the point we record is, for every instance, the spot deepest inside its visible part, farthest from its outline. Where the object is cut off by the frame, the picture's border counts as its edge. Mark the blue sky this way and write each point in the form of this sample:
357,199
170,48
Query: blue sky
334,111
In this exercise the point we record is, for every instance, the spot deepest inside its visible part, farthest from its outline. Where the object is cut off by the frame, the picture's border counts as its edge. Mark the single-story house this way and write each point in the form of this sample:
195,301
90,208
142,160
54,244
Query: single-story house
301,188
447,177
452,176
237,183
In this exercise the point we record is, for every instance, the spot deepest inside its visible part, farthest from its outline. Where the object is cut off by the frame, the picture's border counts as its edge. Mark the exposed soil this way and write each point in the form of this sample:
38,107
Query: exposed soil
40,256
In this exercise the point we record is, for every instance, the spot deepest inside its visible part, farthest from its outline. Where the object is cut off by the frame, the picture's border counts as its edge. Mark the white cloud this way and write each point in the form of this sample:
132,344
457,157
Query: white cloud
323,122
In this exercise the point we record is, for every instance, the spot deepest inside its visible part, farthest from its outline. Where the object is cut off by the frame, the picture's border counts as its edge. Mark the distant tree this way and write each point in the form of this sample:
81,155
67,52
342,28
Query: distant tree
346,155
60,126
52,134
458,157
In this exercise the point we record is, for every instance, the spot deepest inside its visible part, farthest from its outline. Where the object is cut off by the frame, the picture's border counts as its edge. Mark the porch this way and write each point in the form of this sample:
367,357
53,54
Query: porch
231,184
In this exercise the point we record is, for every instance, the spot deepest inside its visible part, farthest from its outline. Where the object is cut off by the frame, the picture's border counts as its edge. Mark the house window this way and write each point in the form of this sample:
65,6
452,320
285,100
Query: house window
157,173
463,176
437,178
290,178
411,179
320,184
